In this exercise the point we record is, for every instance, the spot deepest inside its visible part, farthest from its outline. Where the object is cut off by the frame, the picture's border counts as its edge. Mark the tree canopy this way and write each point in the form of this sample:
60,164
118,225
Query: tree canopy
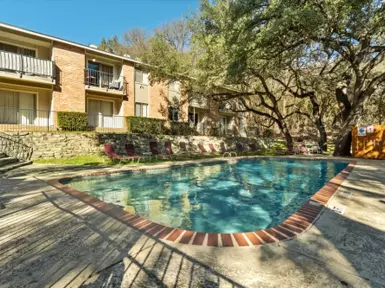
318,61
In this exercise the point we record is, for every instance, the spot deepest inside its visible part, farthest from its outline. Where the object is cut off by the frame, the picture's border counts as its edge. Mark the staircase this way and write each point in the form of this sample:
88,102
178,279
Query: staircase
8,163
13,153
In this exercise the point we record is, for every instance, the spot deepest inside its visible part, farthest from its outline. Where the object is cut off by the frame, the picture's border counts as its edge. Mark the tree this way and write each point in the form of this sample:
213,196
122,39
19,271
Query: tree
351,32
112,45
136,42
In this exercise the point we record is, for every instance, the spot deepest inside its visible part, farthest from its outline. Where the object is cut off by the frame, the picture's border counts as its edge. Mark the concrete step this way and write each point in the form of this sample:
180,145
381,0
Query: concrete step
3,155
14,165
7,160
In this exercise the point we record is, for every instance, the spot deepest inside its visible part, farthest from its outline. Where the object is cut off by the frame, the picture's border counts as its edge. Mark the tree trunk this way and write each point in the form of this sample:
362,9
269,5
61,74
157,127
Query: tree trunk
322,135
289,141
286,133
344,139
343,143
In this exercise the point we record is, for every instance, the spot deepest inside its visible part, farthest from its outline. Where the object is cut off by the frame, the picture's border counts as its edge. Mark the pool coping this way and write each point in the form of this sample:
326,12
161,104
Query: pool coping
295,225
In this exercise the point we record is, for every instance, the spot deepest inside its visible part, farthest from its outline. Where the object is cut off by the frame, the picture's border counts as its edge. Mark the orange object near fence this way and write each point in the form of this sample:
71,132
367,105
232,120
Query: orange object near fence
369,142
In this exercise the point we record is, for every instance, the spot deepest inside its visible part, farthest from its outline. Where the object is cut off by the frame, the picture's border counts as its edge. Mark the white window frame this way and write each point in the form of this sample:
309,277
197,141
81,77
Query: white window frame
144,77
141,109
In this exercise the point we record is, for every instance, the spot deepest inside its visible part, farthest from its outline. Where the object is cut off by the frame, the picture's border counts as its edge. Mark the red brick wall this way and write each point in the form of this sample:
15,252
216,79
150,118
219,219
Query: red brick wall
69,92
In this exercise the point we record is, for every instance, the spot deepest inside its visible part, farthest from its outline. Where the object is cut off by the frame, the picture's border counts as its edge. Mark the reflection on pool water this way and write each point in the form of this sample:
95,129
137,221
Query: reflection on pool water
246,195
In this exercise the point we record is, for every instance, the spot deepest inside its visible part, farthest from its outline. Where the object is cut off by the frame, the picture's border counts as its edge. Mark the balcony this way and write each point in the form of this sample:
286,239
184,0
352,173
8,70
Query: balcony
14,119
199,102
99,81
227,107
18,66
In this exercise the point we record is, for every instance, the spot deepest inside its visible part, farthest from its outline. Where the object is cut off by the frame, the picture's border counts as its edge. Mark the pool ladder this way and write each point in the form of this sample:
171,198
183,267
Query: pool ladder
229,154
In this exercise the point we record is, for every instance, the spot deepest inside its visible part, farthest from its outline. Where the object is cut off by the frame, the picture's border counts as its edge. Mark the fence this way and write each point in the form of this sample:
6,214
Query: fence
13,119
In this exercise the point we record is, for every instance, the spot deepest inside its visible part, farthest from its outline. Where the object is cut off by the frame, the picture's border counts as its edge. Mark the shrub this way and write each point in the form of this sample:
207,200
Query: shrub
182,128
72,121
136,124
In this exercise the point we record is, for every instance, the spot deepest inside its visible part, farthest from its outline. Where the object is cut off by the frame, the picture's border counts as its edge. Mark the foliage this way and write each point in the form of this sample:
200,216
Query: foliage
286,62
78,160
72,121
181,128
258,46
136,124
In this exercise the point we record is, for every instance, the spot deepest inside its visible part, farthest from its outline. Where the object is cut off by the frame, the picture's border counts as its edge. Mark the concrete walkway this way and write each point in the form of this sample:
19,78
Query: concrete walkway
49,239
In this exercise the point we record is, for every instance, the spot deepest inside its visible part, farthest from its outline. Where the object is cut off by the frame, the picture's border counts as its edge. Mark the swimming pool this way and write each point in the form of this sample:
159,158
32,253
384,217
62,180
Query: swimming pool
220,197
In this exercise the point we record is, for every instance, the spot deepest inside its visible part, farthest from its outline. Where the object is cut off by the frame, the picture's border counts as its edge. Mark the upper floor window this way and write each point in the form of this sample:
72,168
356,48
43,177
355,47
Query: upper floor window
174,92
174,86
141,109
141,77
17,50
173,113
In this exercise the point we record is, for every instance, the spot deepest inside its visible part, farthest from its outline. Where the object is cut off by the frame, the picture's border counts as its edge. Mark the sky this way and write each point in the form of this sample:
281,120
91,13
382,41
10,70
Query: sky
86,21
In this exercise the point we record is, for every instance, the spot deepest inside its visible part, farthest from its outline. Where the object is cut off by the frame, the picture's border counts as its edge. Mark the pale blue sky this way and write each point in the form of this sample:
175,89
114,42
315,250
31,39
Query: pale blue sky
86,21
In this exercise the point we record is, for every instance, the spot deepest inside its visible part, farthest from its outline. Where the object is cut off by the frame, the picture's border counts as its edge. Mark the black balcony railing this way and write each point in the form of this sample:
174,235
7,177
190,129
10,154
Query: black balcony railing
26,65
104,80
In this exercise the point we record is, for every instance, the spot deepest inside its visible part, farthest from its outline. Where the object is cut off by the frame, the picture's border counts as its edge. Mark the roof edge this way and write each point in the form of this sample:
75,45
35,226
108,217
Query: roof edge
52,38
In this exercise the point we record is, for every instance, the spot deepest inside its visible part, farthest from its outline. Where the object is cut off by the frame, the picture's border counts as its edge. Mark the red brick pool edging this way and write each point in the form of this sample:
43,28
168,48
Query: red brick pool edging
294,225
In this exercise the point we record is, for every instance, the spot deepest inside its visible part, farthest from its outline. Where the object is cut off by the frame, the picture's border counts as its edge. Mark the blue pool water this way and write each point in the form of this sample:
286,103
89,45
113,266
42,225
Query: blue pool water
247,195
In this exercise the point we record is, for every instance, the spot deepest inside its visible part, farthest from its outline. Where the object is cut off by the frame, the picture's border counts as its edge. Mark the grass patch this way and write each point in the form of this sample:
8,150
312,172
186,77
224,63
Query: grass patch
99,160
78,160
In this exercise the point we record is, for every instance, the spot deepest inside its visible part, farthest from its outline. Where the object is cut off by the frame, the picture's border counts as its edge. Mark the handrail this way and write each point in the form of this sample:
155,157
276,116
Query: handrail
27,65
106,80
15,148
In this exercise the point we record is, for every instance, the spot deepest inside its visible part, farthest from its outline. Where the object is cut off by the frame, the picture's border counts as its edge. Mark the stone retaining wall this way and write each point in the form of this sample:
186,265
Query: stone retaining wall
64,145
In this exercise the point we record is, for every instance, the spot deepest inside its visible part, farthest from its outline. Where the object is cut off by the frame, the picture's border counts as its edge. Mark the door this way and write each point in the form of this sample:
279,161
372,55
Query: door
106,110
223,125
27,113
93,75
93,113
100,113
9,104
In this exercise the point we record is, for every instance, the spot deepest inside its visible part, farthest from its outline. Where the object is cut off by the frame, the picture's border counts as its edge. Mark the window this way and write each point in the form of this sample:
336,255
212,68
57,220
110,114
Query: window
141,77
173,114
174,86
141,109
17,107
174,92
193,118
17,50
223,125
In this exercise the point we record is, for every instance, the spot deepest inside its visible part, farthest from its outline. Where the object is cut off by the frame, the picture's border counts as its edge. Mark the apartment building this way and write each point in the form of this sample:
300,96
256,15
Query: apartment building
41,75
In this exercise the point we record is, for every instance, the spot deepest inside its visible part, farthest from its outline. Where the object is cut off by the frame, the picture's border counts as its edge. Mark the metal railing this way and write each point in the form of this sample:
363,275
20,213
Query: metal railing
26,65
199,103
226,107
104,80
13,119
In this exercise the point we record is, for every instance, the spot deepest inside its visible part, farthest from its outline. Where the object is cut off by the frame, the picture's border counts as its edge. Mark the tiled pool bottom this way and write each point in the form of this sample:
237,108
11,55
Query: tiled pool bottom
294,224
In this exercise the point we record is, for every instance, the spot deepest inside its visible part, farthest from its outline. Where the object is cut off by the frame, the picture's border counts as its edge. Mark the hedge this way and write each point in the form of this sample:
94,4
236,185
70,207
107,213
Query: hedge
136,124
181,128
72,121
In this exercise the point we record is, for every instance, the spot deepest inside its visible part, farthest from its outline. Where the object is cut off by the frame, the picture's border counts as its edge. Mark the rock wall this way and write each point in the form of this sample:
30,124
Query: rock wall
64,145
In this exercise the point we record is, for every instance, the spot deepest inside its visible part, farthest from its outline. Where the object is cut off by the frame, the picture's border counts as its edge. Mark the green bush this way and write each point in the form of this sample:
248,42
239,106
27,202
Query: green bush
182,128
145,125
72,121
